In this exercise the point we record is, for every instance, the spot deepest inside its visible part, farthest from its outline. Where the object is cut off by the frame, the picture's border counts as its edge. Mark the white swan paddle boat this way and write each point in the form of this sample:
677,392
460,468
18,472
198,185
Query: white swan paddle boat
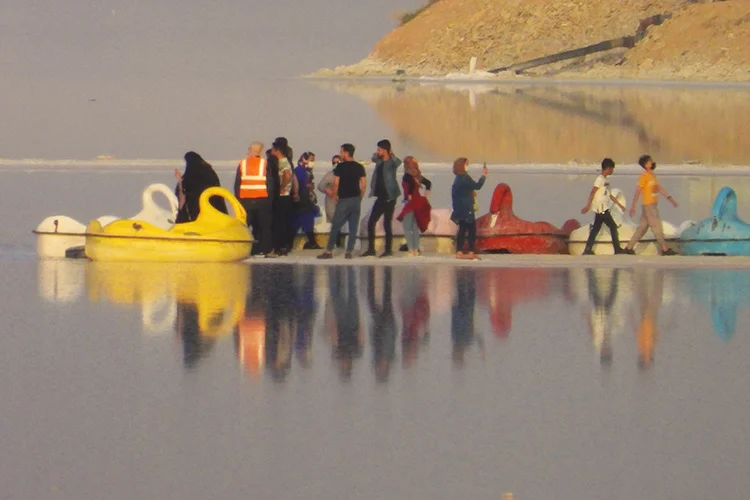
625,230
59,234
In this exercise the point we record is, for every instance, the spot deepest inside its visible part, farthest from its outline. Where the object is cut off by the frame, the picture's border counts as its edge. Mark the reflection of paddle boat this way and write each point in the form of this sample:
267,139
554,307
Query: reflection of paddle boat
212,237
502,231
625,229
438,238
724,233
60,280
722,291
502,288
217,292
58,233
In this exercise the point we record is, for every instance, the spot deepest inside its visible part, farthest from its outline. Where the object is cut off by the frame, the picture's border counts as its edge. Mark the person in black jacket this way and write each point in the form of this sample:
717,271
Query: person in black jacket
199,175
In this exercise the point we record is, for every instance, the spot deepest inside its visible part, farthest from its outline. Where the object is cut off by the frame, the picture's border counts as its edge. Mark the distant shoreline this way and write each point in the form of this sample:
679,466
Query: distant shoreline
571,168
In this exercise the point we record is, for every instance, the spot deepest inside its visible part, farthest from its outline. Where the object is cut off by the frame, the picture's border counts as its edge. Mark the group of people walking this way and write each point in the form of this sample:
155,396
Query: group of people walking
280,200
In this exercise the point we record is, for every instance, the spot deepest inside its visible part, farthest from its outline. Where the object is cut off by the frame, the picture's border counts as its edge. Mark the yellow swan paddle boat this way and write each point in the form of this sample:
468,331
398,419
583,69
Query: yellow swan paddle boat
212,237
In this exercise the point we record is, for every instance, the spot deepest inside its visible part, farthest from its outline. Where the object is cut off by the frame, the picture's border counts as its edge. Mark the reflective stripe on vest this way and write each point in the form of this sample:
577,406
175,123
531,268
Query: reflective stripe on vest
253,178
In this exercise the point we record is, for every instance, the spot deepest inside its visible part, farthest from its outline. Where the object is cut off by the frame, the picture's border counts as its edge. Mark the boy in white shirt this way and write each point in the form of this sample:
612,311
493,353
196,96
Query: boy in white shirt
600,200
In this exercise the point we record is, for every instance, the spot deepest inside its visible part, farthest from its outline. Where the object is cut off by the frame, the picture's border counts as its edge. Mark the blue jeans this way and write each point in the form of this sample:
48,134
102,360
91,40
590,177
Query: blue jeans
411,231
347,210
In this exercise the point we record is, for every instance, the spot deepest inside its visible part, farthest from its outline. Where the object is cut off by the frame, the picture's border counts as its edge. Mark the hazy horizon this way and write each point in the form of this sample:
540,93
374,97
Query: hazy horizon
155,79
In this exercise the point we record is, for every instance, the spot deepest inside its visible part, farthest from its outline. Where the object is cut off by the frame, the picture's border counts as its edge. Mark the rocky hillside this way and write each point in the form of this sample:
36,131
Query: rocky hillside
702,40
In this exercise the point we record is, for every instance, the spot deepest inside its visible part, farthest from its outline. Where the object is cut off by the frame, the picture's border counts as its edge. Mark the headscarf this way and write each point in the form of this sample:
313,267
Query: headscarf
412,167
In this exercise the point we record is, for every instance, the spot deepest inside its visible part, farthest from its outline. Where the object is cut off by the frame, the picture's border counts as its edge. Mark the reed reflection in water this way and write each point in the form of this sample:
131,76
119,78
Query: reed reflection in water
543,123
278,313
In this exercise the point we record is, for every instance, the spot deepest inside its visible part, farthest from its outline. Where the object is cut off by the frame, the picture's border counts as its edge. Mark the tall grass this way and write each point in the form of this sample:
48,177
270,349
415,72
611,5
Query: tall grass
408,16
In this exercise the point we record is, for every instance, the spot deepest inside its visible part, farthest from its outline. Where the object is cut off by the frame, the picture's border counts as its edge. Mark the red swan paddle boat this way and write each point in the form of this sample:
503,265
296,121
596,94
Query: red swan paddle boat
502,231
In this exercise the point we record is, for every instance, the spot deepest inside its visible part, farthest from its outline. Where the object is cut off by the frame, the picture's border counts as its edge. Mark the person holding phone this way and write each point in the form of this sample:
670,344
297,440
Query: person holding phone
464,215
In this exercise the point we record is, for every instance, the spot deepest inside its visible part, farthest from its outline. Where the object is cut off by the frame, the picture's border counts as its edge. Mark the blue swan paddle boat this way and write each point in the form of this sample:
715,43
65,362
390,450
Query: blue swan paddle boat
721,234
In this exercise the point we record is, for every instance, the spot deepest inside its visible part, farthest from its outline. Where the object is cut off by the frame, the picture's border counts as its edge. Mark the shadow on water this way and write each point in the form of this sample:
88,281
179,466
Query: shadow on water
276,314
543,123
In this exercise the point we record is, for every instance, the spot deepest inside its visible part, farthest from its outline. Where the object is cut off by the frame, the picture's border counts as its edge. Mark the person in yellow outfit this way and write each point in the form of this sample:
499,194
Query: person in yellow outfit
648,184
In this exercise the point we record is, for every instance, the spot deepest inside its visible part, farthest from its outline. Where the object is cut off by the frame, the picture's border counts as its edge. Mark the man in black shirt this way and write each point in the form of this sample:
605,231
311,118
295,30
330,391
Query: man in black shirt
348,186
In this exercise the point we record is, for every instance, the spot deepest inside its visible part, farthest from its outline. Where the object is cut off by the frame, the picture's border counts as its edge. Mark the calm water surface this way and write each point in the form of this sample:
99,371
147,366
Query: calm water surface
279,381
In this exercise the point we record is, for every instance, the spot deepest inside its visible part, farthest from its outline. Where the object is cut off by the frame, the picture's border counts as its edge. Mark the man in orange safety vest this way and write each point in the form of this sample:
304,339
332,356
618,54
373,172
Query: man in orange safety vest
251,188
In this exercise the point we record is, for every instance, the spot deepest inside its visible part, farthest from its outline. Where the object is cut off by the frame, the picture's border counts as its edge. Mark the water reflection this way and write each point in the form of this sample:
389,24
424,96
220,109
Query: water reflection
271,310
415,315
463,333
608,302
347,335
383,324
502,288
649,286
538,123
202,301
722,293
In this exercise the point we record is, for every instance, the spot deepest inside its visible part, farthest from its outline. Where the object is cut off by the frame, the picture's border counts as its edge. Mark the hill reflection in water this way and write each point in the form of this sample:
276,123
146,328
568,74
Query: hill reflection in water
542,123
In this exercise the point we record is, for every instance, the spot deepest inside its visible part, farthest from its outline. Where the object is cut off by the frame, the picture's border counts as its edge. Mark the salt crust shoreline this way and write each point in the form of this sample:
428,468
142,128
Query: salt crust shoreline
571,168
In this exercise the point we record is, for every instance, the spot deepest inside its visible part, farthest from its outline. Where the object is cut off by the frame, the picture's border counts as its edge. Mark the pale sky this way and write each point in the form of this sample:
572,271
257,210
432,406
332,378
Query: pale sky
102,39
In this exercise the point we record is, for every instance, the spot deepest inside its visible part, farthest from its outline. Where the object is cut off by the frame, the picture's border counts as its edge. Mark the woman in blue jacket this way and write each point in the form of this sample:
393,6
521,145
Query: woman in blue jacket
463,215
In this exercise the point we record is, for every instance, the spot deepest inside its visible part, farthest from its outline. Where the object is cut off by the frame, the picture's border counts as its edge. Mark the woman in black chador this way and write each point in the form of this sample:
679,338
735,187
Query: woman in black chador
199,175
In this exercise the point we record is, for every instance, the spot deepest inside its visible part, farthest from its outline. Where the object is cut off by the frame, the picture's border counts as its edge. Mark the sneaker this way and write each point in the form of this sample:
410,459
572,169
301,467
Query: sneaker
348,255
386,254
588,252
473,256
325,256
620,251
369,253
628,251
669,251
311,245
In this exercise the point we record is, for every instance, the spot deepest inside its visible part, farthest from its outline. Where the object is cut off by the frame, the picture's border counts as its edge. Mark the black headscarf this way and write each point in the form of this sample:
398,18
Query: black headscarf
199,175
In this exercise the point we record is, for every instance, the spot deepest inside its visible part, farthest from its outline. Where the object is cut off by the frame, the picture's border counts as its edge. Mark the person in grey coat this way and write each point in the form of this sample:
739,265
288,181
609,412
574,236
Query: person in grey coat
385,188
326,186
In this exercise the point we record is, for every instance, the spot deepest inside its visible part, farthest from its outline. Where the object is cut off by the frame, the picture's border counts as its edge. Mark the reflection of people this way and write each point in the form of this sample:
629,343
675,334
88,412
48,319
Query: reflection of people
199,175
304,311
600,200
650,290
415,315
603,301
383,329
347,342
463,215
385,189
195,346
250,334
280,306
648,184
462,315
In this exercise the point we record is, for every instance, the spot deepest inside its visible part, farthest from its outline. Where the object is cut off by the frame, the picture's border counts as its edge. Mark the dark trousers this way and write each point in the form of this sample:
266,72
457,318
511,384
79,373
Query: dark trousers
599,219
282,208
465,228
382,207
260,217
